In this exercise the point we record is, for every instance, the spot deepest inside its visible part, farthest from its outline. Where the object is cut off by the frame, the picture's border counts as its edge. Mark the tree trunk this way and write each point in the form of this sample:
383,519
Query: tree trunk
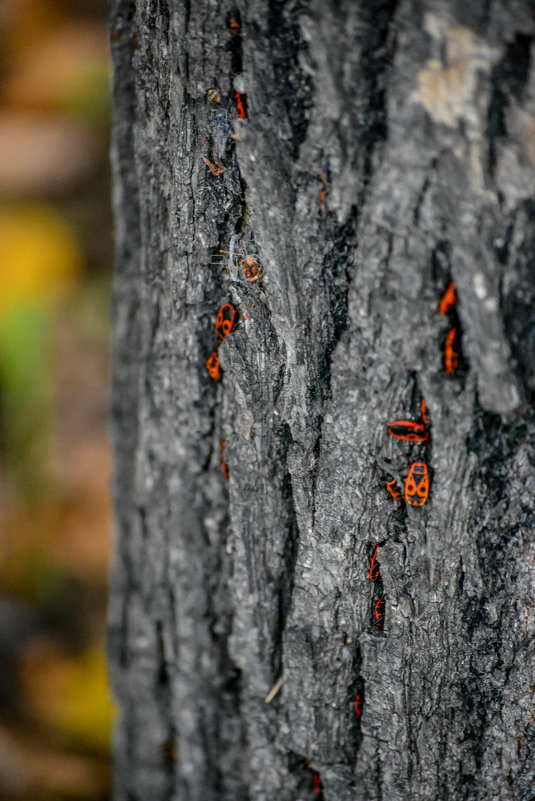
373,151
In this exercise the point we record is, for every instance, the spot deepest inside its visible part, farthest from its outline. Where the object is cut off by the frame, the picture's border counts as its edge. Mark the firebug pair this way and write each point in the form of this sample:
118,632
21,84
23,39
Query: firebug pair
226,319
417,481
416,490
452,343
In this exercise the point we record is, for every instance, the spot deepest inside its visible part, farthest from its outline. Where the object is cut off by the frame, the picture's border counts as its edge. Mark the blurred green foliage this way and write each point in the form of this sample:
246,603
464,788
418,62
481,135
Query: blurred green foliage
25,411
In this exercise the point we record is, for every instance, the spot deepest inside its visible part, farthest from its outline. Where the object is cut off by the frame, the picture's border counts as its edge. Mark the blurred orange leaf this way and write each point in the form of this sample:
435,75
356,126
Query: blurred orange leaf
48,65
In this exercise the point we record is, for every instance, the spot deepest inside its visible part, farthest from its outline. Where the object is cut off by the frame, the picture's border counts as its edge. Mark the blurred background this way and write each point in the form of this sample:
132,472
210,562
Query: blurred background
55,269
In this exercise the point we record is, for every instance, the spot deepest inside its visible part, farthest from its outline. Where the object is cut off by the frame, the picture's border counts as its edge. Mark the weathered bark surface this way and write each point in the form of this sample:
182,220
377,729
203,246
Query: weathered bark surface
417,120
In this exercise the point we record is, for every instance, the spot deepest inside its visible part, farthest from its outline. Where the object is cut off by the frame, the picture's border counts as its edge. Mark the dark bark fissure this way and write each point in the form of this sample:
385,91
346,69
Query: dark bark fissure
356,691
285,580
508,81
291,85
518,297
376,59
163,698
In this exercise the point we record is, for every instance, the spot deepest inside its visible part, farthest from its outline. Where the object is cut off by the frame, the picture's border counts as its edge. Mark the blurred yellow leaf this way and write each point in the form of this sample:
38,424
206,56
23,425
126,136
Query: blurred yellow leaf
85,705
70,694
39,257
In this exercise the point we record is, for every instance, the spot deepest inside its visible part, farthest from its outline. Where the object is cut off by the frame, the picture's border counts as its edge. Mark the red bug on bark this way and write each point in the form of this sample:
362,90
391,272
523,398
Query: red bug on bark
451,354
251,269
241,105
318,787
425,413
379,613
359,706
374,571
393,488
417,484
234,27
408,430
224,465
448,299
212,365
226,317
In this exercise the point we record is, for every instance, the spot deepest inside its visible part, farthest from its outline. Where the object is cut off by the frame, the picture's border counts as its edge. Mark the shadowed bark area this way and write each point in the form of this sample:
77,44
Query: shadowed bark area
388,148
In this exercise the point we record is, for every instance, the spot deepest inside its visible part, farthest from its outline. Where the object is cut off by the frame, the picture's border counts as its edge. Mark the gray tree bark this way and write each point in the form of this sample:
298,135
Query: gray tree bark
388,148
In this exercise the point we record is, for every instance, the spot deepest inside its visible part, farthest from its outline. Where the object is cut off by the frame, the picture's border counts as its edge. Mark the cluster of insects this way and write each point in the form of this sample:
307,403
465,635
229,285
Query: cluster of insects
213,98
414,490
226,319
227,314
416,486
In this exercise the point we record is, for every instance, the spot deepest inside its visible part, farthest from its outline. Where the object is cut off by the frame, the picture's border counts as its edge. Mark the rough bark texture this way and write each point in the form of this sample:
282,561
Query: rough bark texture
389,147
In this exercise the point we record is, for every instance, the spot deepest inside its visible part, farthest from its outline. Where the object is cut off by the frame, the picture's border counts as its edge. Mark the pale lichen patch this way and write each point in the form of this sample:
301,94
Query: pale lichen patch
448,87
